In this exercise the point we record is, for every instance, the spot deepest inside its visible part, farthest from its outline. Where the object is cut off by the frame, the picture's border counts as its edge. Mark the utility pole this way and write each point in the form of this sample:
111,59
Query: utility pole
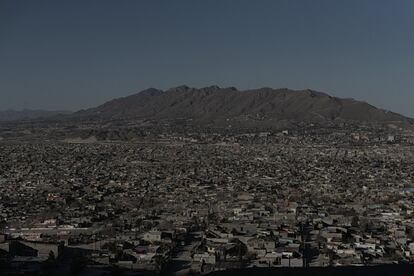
303,245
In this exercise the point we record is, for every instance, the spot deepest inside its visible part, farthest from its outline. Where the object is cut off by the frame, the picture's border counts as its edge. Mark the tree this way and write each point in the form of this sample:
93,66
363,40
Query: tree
111,246
49,264
355,221
3,225
51,256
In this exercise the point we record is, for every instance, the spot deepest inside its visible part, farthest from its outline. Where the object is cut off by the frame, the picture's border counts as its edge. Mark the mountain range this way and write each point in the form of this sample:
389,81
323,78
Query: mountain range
224,106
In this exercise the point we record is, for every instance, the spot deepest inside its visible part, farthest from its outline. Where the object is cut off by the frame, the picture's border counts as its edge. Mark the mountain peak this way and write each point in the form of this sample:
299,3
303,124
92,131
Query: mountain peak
315,93
181,88
211,87
150,92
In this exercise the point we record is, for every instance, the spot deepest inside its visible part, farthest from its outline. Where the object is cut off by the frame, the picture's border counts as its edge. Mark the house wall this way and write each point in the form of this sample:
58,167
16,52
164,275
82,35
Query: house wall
43,249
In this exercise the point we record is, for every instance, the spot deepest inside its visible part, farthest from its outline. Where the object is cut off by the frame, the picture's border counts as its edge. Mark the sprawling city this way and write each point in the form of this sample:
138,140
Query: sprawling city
196,203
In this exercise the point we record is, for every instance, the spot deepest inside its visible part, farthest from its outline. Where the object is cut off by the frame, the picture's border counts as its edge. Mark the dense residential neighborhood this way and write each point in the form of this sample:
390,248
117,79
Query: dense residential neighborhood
197,202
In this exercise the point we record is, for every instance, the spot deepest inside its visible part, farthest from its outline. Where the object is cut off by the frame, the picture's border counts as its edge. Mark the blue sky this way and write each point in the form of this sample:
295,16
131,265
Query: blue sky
77,54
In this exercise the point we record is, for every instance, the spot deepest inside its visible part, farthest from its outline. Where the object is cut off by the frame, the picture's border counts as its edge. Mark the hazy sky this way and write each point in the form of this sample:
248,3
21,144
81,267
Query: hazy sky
76,54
